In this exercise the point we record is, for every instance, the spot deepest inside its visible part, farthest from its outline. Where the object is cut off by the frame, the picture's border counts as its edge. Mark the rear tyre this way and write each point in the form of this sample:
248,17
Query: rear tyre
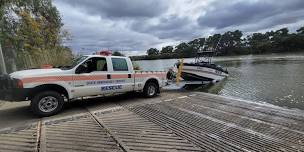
150,89
47,103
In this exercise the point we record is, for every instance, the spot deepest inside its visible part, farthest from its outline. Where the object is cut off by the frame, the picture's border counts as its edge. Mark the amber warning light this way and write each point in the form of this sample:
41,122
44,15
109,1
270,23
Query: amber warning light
104,53
46,66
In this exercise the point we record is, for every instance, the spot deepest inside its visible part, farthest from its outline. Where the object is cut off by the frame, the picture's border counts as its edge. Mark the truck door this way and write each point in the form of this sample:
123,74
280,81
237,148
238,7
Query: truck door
92,77
122,74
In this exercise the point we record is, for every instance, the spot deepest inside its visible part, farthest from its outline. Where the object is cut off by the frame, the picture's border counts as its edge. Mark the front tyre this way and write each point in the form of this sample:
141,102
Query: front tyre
151,89
47,103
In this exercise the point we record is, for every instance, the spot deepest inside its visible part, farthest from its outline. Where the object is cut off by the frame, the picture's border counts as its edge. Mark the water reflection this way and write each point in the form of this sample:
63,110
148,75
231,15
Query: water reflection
279,81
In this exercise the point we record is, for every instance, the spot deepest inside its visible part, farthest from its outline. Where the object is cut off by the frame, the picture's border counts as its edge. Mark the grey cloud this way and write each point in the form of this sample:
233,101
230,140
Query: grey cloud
92,39
121,8
93,33
136,25
169,27
238,13
280,19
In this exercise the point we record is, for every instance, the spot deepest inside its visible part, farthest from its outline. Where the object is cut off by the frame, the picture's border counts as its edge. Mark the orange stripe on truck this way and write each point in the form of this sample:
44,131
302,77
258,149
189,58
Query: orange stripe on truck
120,76
95,77
47,79
140,75
63,78
88,77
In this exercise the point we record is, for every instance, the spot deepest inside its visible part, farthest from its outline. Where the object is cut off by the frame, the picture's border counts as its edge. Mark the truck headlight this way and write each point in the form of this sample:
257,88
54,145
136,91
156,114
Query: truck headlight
19,84
16,83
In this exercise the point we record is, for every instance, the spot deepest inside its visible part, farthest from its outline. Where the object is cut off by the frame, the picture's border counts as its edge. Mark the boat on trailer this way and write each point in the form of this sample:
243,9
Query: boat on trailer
203,69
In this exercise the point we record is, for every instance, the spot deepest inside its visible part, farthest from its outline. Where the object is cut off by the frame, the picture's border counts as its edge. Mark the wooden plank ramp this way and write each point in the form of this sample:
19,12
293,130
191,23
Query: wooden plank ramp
184,122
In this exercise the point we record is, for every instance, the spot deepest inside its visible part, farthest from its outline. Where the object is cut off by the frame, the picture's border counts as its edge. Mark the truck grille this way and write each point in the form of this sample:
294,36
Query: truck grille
5,82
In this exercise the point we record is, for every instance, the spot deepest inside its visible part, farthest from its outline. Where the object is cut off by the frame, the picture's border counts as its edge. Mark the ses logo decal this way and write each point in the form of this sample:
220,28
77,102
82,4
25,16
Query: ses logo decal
104,82
106,88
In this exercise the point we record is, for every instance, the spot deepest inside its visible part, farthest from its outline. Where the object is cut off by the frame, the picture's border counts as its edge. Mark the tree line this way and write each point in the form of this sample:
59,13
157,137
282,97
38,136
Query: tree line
233,43
32,34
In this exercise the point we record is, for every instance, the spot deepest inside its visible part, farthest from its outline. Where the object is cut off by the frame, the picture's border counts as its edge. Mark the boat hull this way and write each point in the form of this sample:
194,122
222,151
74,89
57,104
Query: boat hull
201,73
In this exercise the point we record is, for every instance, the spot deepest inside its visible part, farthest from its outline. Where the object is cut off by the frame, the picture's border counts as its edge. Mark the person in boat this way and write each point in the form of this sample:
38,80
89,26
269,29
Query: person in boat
171,75
177,63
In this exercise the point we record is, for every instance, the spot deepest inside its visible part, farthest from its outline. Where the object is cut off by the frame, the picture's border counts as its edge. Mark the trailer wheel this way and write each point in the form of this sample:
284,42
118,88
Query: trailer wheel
151,89
47,103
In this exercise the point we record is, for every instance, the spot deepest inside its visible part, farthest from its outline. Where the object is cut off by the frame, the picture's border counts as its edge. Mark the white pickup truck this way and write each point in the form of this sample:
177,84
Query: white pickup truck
89,75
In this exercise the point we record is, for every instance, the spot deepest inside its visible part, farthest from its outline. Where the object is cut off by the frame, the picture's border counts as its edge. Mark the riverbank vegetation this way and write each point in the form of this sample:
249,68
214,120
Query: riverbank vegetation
32,34
233,43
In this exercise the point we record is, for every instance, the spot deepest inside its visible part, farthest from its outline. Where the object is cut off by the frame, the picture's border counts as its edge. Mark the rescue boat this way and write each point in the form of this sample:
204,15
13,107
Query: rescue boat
203,69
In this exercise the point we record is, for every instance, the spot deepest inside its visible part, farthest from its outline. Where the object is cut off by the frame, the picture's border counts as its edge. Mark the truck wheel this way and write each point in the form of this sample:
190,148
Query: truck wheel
151,89
47,103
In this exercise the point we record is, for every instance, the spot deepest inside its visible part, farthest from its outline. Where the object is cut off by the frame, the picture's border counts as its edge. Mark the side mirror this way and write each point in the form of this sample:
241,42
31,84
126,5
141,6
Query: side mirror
81,69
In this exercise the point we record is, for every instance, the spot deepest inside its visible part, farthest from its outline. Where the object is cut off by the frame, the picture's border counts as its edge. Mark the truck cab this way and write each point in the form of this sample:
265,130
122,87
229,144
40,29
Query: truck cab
102,75
89,75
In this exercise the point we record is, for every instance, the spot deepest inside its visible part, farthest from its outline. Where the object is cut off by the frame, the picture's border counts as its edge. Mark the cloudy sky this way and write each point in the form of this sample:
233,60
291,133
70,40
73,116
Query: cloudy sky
133,26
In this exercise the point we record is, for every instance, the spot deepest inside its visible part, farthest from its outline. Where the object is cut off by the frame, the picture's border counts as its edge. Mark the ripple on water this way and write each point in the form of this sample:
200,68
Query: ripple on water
276,80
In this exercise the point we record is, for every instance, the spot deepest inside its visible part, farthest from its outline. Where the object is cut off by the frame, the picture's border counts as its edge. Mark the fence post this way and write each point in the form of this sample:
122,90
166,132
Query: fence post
2,62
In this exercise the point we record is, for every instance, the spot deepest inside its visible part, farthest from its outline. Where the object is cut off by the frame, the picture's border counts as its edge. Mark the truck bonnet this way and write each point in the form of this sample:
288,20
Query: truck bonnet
34,72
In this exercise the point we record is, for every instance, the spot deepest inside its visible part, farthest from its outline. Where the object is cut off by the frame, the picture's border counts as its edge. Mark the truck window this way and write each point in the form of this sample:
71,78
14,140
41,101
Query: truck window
102,65
95,64
119,64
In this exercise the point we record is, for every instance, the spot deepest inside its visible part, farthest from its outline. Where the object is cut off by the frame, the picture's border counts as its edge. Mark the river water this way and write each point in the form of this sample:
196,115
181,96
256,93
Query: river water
275,79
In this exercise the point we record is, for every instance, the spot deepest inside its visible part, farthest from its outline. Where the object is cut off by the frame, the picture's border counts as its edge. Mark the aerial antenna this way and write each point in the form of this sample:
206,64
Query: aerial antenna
218,42
205,54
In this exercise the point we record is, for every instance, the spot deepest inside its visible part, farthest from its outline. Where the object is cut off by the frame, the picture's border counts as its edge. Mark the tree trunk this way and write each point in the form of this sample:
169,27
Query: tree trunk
2,63
13,60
